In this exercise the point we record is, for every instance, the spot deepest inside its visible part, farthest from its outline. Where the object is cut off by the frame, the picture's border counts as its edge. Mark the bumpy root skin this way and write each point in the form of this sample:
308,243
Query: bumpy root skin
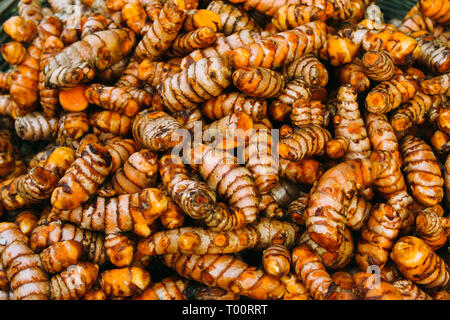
308,267
72,189
417,262
276,260
377,237
124,282
422,171
236,277
61,255
368,289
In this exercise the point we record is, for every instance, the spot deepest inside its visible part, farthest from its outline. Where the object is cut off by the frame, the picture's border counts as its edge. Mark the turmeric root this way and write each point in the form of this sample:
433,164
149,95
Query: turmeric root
73,66
295,290
190,119
13,52
417,262
17,258
276,260
53,233
229,132
152,8
186,43
134,16
433,55
131,82
156,130
154,72
232,102
61,255
232,18
309,37
36,126
139,171
388,95
416,23
71,128
93,23
353,73
403,49
195,240
74,282
196,19
281,107
162,32
119,249
170,288
268,7
437,11
431,229
83,177
269,208
305,171
378,65
348,123
390,184
297,208
409,290
129,212
377,237
112,98
339,50
34,187
30,10
110,122
294,15
232,182
214,293
309,68
437,85
382,135
345,286
7,157
273,231
236,275
299,143
260,160
440,295
124,282
324,218
20,29
5,81
414,111
258,82
443,121
49,97
196,199
447,179
173,217
222,47
422,171
308,267
305,113
26,220
207,78
25,78
368,289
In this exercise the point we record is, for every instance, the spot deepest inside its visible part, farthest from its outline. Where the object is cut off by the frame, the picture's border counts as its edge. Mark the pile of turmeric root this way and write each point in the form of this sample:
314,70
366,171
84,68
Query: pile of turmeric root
225,149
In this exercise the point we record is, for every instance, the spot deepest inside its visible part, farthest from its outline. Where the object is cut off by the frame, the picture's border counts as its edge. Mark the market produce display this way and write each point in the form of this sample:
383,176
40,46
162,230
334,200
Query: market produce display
224,150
